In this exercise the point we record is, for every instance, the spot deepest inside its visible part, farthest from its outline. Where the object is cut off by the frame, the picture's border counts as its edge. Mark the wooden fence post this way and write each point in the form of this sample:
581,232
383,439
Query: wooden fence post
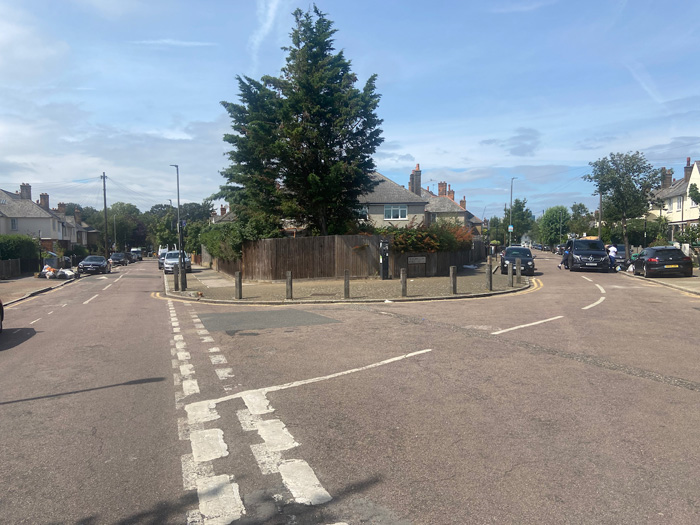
239,285
404,290
453,279
518,271
346,288
489,273
289,285
176,274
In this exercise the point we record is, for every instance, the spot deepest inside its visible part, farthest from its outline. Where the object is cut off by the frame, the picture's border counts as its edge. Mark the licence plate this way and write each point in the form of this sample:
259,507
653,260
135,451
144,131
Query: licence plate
671,266
591,264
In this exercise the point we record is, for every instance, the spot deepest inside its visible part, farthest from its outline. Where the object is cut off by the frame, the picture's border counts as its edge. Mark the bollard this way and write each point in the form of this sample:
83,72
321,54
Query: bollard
346,290
239,285
183,276
453,279
518,271
289,285
510,275
489,273
176,274
404,289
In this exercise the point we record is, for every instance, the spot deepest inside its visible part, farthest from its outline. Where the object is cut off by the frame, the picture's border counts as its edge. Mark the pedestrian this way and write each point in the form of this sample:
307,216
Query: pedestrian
612,252
564,259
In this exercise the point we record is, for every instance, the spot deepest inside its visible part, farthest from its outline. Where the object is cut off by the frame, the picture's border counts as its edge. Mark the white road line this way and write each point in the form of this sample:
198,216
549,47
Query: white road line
208,444
301,481
275,435
526,325
110,284
602,290
587,279
219,500
91,298
50,312
218,359
190,387
224,373
35,320
594,304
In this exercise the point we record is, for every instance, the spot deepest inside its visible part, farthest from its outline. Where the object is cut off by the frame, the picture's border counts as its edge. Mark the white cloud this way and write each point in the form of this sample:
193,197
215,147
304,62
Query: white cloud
267,11
167,42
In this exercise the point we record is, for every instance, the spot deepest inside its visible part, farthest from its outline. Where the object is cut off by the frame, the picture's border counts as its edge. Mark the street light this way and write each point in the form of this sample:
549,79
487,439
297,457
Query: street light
183,279
510,220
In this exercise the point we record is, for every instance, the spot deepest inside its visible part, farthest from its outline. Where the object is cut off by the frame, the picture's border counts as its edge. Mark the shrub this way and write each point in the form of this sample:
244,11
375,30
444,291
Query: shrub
18,247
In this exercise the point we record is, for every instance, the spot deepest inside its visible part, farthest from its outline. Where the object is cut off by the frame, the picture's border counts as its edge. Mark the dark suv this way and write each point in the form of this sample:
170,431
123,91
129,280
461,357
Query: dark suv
587,254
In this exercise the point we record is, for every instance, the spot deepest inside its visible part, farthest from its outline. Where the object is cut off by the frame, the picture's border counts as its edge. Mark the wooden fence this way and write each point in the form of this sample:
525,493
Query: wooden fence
330,256
10,268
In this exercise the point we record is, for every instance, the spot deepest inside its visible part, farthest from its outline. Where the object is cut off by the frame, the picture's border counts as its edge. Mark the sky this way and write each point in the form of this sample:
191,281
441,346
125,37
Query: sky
484,95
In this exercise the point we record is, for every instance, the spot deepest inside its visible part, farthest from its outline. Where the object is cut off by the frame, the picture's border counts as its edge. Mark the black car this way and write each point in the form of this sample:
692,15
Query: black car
587,254
94,264
527,263
118,259
663,260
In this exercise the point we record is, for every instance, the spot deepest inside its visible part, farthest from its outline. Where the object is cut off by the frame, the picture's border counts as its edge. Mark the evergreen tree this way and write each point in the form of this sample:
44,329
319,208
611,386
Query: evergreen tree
303,141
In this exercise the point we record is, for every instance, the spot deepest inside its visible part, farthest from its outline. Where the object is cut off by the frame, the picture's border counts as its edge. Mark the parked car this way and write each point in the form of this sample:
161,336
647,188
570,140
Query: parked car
587,254
161,258
621,257
171,260
94,264
527,263
2,315
129,257
560,249
138,255
118,259
663,260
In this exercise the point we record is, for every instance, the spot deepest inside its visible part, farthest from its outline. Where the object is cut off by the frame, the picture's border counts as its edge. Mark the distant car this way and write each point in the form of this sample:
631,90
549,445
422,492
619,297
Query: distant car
527,263
136,252
663,260
171,260
587,254
118,259
94,264
129,257
560,249
161,258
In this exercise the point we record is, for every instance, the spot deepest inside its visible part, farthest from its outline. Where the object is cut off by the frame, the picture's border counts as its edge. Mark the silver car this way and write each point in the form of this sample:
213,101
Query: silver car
171,260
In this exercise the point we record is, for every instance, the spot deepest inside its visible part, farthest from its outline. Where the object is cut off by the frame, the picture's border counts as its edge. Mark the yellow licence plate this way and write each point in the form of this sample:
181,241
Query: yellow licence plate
671,266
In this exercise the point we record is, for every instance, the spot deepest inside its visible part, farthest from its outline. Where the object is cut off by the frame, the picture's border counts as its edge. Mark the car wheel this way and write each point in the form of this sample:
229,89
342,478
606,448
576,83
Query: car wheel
645,271
2,317
689,273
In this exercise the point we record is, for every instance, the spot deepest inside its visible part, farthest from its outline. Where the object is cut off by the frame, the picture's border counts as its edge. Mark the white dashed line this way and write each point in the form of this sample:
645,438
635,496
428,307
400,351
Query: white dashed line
91,298
594,304
526,325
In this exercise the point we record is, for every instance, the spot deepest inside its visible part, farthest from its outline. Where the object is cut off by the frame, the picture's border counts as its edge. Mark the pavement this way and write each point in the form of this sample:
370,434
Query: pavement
208,285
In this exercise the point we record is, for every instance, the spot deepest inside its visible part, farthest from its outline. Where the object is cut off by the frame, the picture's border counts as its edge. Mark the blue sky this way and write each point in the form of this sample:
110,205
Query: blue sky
475,92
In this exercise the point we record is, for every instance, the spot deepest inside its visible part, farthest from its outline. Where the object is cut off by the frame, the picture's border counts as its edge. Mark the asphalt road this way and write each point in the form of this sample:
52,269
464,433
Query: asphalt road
572,402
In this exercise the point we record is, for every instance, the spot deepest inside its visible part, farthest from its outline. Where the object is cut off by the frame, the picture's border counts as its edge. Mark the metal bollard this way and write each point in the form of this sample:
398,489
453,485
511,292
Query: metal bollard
346,288
289,285
453,279
176,274
404,289
239,285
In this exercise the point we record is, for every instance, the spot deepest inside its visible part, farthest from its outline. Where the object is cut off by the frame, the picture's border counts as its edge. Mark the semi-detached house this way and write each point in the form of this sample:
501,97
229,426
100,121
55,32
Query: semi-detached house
680,210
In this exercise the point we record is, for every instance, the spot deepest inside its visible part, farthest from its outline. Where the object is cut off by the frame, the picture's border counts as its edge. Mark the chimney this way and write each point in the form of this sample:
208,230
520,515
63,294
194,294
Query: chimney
25,191
61,206
44,201
442,189
450,193
223,210
78,216
463,202
414,185
666,180
687,170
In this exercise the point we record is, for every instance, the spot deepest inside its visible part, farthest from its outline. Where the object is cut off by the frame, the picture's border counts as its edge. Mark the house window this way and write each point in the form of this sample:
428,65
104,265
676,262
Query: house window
679,203
364,213
14,224
395,212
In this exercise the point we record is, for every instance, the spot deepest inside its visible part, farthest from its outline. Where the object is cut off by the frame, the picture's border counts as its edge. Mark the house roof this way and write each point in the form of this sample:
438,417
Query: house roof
388,192
440,204
14,206
676,189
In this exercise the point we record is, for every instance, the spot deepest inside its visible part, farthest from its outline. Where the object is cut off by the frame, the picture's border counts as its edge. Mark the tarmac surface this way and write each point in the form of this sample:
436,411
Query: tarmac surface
208,285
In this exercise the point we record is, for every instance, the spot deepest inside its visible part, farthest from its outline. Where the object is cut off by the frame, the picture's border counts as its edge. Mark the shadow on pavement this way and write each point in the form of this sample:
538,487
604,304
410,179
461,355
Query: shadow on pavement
12,337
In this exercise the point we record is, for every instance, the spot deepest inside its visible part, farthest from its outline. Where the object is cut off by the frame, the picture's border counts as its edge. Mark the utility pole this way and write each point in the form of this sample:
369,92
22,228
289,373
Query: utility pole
510,221
104,192
600,217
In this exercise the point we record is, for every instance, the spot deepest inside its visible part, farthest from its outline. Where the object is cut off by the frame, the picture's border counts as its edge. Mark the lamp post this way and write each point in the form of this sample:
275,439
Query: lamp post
183,279
510,220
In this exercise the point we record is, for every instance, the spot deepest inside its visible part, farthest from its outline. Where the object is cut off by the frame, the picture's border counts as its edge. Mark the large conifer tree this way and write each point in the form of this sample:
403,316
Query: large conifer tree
304,141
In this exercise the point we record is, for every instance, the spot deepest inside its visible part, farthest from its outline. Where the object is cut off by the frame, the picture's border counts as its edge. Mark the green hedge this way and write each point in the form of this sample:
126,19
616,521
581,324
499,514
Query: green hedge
18,247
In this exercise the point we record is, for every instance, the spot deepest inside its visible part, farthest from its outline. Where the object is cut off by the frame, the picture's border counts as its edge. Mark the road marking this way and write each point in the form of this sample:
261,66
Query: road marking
218,359
224,373
219,500
594,304
91,298
526,325
190,387
301,481
50,312
110,284
587,279
602,290
35,320
208,444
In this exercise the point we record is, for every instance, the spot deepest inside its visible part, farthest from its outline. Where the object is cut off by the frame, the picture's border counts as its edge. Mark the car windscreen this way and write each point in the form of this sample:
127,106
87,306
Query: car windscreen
668,252
589,245
117,256
94,259
518,253
171,255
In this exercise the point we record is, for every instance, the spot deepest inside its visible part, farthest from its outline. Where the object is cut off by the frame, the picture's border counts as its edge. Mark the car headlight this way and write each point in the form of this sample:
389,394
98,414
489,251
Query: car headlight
577,257
529,263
